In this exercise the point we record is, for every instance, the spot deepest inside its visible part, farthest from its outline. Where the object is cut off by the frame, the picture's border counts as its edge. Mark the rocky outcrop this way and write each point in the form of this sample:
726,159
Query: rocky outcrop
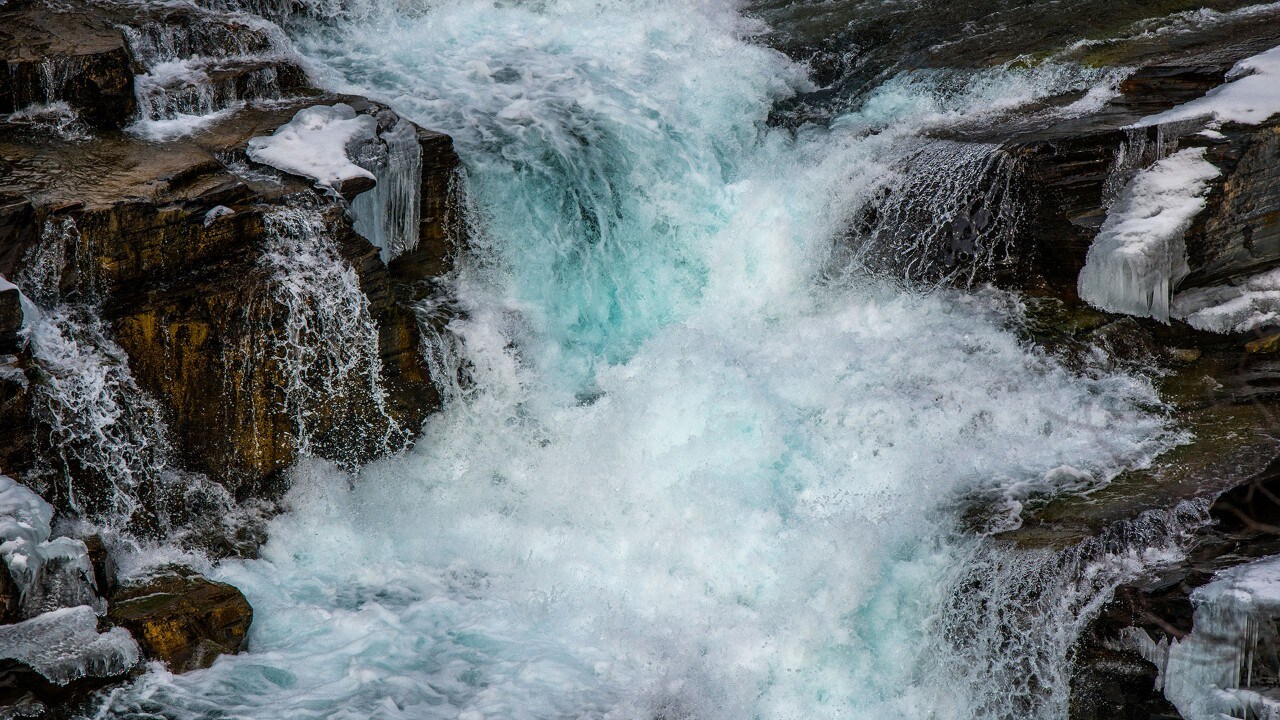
1222,388
177,248
52,54
182,619
69,626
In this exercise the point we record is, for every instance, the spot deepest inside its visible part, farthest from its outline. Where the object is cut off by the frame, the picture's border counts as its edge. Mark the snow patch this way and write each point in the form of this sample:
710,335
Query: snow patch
217,212
1138,257
316,143
1251,96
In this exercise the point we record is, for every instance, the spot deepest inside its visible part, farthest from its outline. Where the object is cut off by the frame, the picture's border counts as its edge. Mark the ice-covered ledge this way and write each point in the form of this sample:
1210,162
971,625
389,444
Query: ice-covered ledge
318,143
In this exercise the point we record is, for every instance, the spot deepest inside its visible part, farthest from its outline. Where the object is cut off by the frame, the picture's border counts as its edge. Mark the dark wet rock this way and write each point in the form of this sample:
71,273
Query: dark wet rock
1238,234
1115,685
104,566
16,428
171,240
10,319
66,54
851,46
350,187
10,597
182,618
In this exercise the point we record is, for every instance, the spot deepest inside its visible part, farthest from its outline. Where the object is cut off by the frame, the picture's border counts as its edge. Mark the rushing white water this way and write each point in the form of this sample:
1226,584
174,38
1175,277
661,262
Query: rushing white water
689,478
325,341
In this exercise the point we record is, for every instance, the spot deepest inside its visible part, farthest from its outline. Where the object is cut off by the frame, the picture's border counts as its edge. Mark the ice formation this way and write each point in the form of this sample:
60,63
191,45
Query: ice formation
1238,306
1138,257
317,143
388,215
49,573
65,645
1207,675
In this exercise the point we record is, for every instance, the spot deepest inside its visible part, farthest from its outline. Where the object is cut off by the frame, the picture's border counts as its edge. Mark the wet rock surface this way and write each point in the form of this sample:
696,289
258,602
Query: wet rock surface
64,54
182,619
167,237
1222,389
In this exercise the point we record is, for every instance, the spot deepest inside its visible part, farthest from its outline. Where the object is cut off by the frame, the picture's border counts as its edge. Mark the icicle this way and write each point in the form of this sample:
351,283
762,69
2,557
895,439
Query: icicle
1213,672
388,215
1138,257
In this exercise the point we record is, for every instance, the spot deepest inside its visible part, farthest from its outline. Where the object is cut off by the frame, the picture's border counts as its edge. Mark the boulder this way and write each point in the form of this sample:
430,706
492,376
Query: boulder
181,618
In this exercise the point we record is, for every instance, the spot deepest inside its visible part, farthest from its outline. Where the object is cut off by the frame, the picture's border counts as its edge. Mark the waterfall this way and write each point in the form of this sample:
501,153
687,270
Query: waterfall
688,475
1013,615
320,334
199,64
104,442
950,217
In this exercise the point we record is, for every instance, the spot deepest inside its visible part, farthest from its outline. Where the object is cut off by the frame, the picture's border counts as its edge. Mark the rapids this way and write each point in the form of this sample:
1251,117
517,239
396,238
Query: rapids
705,465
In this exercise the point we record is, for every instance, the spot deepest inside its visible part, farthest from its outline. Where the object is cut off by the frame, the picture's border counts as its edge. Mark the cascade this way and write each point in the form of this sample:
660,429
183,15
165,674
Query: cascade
321,335
949,216
198,66
1012,616
684,476
103,437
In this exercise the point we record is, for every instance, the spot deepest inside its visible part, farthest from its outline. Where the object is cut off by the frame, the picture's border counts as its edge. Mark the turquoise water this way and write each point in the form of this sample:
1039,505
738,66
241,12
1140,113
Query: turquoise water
699,474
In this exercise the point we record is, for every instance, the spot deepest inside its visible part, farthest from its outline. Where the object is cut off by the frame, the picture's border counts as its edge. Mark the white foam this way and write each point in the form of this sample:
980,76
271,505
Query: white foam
688,477
1138,257
316,144
179,124
1251,95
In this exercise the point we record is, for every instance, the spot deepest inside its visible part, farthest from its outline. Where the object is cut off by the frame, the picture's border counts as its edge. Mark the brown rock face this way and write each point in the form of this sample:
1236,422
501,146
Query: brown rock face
67,56
182,619
174,245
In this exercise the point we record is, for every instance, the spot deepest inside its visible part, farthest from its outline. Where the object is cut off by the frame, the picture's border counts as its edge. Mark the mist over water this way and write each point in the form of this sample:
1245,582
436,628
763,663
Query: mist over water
703,469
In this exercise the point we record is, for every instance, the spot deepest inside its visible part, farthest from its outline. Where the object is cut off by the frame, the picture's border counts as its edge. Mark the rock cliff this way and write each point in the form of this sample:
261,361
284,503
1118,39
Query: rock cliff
179,322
